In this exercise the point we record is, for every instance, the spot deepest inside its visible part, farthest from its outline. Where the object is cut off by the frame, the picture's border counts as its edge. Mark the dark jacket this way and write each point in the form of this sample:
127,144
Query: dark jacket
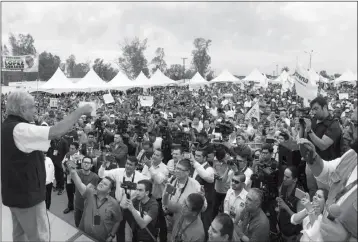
23,175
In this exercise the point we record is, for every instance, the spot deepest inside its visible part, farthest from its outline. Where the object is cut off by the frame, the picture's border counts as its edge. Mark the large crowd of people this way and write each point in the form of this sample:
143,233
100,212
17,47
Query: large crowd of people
190,167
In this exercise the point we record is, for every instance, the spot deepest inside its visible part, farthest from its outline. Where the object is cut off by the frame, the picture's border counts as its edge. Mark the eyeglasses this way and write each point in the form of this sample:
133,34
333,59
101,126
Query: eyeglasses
235,181
179,169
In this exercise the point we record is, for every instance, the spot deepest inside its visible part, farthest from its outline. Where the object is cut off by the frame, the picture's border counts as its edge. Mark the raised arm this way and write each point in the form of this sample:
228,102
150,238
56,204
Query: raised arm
62,127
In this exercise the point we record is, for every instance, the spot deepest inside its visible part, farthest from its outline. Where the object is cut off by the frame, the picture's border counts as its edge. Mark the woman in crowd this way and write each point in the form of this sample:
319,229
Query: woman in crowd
311,216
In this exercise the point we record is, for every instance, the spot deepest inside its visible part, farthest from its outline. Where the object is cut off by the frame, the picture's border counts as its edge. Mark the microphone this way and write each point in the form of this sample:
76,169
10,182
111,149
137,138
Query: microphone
334,211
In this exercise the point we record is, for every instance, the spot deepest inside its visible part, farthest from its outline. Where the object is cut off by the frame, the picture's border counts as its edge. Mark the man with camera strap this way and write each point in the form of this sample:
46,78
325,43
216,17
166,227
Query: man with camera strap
126,179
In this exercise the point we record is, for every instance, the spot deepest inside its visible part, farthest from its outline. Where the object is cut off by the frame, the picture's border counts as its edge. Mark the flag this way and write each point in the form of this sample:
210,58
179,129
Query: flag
254,112
304,85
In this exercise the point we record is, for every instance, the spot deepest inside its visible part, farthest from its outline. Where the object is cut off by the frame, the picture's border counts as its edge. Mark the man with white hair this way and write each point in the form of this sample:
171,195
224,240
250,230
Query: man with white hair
23,173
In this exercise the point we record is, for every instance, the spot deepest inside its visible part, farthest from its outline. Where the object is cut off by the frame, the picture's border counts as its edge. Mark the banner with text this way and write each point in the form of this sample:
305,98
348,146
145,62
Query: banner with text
25,63
254,112
146,101
303,84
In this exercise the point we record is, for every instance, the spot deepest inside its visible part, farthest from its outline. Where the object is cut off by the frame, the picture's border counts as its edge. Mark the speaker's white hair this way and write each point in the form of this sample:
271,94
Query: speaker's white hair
16,100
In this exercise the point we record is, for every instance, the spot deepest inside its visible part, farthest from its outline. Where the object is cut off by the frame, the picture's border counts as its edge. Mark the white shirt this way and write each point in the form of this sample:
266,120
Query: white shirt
247,104
214,112
117,175
310,232
171,165
248,173
157,143
30,137
329,167
198,127
50,170
206,174
158,174
324,177
233,205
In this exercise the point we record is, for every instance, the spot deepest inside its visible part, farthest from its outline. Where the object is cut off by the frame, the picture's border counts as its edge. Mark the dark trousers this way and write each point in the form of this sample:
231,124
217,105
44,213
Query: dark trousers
218,203
78,216
161,223
121,231
70,190
60,180
207,217
48,195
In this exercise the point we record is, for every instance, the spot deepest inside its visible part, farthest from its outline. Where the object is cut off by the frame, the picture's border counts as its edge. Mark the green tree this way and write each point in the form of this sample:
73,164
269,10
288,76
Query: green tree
5,50
133,61
104,70
48,65
336,75
201,58
285,68
158,61
70,65
175,72
80,70
22,44
324,74
210,76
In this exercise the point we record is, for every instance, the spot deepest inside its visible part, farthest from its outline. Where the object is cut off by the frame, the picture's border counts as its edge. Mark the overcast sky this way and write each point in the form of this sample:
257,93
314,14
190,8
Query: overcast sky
244,35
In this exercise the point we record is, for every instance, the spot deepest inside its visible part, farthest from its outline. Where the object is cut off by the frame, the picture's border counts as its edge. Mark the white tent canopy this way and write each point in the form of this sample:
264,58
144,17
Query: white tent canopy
120,82
347,76
58,83
141,77
159,79
257,77
280,79
225,76
197,81
92,83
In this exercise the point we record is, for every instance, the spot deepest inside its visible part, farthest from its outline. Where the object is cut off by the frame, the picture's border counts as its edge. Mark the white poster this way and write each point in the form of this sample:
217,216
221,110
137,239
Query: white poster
343,96
25,63
108,98
146,101
254,112
303,84
53,103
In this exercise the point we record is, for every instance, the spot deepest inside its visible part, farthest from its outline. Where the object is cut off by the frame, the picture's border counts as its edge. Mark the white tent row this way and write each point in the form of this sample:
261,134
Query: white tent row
348,77
59,83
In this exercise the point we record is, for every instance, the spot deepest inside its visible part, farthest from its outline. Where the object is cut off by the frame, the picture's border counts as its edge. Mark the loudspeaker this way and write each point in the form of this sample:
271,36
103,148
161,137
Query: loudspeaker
289,155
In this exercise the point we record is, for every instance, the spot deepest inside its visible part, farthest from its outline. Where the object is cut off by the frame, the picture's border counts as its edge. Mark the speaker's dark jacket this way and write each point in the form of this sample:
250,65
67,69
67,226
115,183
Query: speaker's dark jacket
23,175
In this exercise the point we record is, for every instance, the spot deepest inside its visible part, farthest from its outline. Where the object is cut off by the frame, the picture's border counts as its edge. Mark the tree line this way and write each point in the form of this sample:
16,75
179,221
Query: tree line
131,62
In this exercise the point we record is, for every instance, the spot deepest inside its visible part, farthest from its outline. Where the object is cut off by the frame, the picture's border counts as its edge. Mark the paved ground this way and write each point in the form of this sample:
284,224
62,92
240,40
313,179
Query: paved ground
58,204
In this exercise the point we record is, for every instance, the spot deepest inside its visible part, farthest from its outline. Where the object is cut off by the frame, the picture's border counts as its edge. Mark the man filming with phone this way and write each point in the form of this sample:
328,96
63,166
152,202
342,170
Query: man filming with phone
141,213
324,132
204,174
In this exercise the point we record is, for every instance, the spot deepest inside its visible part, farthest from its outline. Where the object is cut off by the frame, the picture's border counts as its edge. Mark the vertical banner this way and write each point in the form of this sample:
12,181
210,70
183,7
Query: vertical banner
303,84
26,63
254,112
